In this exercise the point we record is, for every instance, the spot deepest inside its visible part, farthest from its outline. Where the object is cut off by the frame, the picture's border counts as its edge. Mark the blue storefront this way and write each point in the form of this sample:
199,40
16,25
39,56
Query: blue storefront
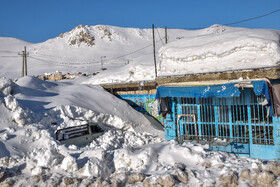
234,117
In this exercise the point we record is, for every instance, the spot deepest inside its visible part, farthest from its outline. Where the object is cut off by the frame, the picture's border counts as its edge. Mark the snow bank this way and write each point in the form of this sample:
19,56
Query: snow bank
64,101
31,151
5,86
20,116
220,48
115,139
156,163
130,73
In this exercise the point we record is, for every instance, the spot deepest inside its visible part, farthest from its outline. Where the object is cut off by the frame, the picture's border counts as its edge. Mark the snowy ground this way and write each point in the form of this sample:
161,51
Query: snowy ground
131,152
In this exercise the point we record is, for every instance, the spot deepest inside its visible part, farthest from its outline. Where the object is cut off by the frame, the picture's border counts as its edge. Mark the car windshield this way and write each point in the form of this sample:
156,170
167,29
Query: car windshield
95,129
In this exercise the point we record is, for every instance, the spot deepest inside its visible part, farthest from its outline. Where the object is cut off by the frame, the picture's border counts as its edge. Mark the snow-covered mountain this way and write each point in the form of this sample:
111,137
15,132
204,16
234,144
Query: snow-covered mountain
127,53
127,50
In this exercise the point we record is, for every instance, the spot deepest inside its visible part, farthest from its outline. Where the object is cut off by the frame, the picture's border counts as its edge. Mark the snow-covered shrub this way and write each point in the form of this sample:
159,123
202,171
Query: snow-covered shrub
5,86
69,164
20,116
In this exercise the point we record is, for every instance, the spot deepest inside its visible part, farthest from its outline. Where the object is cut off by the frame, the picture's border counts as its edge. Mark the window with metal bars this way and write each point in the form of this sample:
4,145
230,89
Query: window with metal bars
236,118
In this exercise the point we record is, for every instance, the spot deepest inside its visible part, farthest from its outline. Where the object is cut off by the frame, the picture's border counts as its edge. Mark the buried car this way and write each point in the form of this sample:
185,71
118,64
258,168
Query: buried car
79,135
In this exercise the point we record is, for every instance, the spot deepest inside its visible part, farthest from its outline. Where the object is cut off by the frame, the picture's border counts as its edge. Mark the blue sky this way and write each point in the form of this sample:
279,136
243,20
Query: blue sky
39,20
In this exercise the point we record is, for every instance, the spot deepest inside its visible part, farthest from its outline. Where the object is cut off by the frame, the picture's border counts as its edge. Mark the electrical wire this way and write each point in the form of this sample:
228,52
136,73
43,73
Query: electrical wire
236,22
79,63
257,17
131,52
93,62
105,60
9,56
67,65
160,37
85,61
8,52
57,63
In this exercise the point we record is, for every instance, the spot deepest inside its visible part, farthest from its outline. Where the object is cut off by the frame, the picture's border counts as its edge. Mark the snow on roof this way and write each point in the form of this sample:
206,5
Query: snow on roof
220,48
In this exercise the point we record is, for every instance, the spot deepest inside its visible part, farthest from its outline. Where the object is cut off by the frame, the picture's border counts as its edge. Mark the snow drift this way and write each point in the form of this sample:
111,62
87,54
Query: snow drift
220,48
75,100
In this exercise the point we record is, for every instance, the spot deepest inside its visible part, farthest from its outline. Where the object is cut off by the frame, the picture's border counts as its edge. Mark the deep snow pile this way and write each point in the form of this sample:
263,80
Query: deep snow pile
220,48
33,101
75,100
123,156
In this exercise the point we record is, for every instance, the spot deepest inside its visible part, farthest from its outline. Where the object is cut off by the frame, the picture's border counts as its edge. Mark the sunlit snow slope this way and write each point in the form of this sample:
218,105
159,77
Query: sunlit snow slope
127,53
220,48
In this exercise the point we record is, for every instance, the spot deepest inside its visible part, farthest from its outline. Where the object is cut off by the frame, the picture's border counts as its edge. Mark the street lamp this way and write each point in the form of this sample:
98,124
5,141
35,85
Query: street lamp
102,61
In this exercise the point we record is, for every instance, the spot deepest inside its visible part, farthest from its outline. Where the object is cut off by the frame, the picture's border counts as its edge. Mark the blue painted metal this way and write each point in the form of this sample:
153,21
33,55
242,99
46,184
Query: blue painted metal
145,103
233,147
276,126
223,90
138,101
239,123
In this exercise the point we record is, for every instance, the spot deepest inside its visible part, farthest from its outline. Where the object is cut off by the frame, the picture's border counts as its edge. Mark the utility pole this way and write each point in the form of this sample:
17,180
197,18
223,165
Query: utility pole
22,66
101,60
24,55
154,47
165,35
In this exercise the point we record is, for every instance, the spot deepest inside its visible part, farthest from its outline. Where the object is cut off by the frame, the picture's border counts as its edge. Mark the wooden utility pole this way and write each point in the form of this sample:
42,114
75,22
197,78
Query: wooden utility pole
22,67
25,57
101,60
154,47
165,35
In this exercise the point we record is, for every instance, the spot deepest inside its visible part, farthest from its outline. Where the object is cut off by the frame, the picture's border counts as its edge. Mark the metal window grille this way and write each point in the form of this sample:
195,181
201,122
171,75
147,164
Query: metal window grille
243,118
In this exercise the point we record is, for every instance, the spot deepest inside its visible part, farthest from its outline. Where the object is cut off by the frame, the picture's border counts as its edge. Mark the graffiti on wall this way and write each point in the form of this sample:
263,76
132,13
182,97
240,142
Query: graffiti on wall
145,103
152,108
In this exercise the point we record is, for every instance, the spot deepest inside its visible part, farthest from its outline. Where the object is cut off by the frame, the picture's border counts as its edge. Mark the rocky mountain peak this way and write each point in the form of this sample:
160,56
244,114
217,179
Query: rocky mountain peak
79,35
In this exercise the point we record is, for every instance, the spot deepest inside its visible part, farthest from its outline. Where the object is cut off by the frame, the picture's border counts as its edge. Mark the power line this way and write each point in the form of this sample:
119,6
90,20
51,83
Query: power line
160,37
79,63
67,64
257,17
85,61
236,22
131,52
9,56
58,63
104,60
8,52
